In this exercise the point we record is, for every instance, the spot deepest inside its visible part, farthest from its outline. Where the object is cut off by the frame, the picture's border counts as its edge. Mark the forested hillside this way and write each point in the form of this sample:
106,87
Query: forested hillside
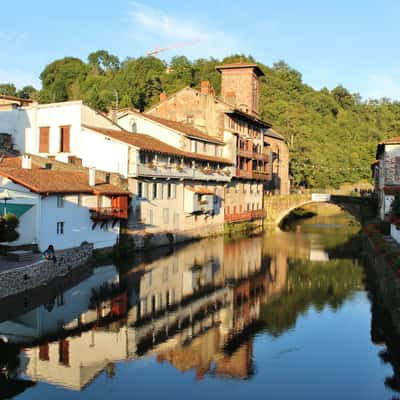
332,134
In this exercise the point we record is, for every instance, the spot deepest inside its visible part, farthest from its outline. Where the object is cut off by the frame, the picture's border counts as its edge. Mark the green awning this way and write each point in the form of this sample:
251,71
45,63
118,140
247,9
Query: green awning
17,209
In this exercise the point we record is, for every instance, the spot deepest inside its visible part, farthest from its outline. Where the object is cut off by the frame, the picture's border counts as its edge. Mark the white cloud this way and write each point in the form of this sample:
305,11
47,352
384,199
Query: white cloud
19,78
384,85
153,26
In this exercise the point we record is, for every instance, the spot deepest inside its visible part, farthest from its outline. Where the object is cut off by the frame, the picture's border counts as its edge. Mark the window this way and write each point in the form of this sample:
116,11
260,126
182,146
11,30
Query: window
63,352
193,146
140,189
144,306
166,215
165,274
159,194
150,216
64,139
142,158
44,352
60,201
397,169
60,228
154,191
44,137
171,190
145,189
176,219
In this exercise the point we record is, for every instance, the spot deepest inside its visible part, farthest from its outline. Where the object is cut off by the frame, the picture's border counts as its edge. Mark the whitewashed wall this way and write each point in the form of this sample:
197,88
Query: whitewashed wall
151,128
28,221
77,225
99,151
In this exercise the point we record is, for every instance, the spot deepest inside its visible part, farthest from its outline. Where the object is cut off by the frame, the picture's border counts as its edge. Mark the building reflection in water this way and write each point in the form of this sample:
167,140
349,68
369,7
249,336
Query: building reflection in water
197,308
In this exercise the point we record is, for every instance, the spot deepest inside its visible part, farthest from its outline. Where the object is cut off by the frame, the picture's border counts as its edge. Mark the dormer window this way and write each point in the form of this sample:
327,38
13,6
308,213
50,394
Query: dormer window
189,119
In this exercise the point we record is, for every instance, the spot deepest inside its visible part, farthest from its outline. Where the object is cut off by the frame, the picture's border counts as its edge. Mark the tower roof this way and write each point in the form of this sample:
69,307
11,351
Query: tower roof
239,65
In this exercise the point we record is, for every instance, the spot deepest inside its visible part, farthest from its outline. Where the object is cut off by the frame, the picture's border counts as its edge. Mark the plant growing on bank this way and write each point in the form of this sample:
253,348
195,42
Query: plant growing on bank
8,225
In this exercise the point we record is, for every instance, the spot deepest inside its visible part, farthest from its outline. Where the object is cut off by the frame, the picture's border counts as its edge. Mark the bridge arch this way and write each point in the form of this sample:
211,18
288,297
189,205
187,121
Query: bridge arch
278,207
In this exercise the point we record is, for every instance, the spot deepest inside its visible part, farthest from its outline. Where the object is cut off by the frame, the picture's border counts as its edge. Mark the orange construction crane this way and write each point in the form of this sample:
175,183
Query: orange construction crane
172,46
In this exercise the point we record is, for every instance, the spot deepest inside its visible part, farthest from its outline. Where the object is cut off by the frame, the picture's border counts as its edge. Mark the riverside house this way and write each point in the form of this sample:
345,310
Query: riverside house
173,189
386,172
259,155
62,208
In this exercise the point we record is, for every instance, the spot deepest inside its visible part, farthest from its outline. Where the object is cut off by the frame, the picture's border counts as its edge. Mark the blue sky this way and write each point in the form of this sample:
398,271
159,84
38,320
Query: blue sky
351,42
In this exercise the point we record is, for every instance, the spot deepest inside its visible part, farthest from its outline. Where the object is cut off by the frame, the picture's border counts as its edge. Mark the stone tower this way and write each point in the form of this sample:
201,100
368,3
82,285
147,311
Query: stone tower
240,85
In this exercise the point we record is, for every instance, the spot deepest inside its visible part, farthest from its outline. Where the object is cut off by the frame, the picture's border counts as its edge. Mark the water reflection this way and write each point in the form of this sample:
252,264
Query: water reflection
199,308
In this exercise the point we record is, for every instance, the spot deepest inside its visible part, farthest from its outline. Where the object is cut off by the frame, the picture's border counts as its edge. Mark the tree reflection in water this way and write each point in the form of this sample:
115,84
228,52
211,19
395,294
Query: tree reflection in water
197,308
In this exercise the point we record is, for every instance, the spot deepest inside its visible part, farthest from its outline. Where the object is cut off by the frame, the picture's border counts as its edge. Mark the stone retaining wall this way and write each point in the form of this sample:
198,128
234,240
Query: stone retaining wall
146,240
19,279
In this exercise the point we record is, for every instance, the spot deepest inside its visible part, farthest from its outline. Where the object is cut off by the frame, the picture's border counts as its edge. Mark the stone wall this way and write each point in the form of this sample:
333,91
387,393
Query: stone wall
19,279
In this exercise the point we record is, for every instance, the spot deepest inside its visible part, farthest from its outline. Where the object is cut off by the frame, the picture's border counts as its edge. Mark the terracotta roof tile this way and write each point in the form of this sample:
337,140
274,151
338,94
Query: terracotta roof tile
146,142
186,129
52,181
393,140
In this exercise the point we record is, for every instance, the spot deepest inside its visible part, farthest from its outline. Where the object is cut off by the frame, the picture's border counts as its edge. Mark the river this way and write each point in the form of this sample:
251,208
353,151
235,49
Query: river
281,316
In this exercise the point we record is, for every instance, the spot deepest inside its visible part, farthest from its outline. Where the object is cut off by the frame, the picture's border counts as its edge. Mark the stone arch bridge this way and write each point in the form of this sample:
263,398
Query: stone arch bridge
278,207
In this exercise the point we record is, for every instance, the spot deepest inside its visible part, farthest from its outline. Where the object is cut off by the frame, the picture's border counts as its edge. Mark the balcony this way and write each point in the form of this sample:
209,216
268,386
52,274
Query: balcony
261,156
238,217
259,175
245,153
258,214
244,174
108,213
184,172
245,216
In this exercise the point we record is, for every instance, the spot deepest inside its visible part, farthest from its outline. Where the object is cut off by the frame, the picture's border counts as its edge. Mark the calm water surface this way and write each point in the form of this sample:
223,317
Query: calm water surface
283,316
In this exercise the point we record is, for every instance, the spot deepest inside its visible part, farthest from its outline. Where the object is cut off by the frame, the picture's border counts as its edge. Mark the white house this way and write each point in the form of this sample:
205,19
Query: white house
62,208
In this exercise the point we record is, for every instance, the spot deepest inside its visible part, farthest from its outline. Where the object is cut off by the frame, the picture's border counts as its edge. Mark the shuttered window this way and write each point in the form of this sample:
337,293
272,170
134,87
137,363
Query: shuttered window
44,136
64,139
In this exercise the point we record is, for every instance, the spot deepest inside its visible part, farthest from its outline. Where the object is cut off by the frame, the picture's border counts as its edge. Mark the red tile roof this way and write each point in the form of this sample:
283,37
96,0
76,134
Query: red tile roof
186,129
148,143
47,181
14,98
393,140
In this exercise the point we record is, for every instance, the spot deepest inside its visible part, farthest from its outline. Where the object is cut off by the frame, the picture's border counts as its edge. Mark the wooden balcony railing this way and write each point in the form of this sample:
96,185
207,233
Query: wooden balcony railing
260,175
252,174
107,213
245,216
258,214
245,153
238,217
243,174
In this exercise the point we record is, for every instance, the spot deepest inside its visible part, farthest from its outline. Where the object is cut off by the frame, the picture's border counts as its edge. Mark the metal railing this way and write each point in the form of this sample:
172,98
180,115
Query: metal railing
105,213
183,172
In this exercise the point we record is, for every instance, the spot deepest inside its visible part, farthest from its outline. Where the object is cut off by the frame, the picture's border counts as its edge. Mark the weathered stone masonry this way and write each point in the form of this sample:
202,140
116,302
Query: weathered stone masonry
41,273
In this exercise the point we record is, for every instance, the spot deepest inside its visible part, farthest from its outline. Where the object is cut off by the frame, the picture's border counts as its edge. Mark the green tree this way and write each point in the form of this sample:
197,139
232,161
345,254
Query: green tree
8,89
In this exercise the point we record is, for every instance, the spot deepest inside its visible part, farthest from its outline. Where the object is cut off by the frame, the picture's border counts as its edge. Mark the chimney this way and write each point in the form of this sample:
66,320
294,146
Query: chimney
205,87
92,176
26,162
163,96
